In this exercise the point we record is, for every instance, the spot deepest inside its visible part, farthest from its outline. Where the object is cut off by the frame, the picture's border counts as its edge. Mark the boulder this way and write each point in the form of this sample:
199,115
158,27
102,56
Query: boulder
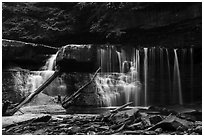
172,123
19,119
77,58
198,130
155,119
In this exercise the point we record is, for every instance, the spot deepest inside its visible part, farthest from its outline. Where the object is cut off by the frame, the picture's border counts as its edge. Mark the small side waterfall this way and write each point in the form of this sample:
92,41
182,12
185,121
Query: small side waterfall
119,59
51,62
37,78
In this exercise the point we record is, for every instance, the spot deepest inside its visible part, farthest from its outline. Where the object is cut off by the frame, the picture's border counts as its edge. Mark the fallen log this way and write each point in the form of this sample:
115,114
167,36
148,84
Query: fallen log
32,95
108,115
69,99
121,107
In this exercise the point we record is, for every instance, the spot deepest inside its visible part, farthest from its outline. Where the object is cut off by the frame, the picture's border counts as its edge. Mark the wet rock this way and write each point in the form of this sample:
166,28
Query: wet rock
123,116
149,133
42,119
194,133
21,119
146,122
198,130
171,123
136,126
26,55
39,132
63,125
104,127
91,133
158,130
155,119
198,123
77,58
62,133
74,129
162,110
135,132
181,128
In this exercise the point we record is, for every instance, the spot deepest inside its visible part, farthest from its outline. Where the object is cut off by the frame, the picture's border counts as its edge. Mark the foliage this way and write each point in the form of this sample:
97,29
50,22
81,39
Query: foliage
61,23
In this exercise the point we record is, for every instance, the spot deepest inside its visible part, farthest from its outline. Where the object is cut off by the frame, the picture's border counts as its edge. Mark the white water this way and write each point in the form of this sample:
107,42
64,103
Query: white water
37,78
169,72
51,62
119,88
145,75
119,59
192,75
158,83
177,78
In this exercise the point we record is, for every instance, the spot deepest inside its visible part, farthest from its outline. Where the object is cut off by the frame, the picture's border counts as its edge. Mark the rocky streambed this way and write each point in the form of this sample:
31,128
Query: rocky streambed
52,120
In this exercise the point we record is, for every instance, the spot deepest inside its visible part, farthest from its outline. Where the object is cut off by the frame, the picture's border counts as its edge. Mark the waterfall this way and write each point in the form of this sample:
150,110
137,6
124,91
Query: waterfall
177,78
157,81
37,78
162,93
191,56
145,75
119,88
51,62
119,61
169,72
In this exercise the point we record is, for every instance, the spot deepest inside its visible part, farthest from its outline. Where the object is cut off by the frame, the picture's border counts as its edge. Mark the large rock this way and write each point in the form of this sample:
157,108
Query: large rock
14,85
17,119
89,96
77,58
26,55
173,123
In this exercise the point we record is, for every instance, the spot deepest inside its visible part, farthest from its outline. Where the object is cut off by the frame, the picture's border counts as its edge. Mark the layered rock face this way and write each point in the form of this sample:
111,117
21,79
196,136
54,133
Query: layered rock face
14,85
25,55
18,59
122,78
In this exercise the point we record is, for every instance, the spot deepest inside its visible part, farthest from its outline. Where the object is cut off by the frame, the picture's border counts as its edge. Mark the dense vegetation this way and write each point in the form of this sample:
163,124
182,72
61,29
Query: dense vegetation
62,23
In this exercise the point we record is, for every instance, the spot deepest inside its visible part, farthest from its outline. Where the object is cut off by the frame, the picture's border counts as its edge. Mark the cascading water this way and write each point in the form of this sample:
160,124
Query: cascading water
121,85
37,78
177,78
51,62
119,59
191,56
169,72
145,75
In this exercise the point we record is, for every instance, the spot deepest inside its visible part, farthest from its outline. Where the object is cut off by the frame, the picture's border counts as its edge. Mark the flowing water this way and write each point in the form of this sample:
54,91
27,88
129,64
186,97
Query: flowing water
37,78
144,76
177,78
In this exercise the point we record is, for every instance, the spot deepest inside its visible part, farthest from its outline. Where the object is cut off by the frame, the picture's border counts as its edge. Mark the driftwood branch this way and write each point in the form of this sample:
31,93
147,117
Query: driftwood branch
108,115
76,94
32,95
121,107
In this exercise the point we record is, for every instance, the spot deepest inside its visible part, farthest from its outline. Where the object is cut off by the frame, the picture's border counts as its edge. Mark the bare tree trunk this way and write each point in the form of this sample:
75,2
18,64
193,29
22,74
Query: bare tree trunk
68,100
32,95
